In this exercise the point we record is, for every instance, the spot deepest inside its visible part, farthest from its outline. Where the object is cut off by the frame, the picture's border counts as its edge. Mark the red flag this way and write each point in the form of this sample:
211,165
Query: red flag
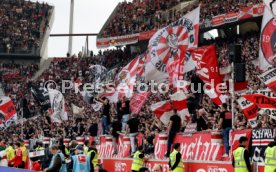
269,79
208,71
7,112
179,102
138,101
249,110
163,111
261,100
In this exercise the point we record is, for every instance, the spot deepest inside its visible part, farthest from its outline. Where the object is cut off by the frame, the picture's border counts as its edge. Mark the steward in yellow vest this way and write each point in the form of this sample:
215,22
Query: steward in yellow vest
240,161
138,159
270,157
39,146
176,163
93,154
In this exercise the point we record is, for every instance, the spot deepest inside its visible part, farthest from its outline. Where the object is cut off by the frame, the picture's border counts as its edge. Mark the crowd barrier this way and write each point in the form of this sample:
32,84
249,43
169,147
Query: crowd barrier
197,147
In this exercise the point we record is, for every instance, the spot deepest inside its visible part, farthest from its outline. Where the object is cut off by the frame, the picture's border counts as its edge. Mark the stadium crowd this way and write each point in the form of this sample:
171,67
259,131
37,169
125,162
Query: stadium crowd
116,118
23,23
142,16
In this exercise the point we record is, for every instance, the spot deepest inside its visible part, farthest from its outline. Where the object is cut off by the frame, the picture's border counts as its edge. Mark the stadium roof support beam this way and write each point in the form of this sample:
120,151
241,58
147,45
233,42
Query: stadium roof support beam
71,27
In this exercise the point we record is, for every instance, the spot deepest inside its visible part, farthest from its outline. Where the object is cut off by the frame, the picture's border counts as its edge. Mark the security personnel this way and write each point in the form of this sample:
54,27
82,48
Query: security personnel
138,159
176,163
270,157
240,161
57,163
79,161
93,154
39,146
24,153
10,152
85,147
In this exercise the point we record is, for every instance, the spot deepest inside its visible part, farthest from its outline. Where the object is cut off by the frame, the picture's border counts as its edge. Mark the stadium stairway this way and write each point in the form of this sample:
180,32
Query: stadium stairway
43,66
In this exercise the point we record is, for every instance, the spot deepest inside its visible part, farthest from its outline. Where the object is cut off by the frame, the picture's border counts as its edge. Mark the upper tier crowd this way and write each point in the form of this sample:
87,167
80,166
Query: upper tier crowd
146,15
22,25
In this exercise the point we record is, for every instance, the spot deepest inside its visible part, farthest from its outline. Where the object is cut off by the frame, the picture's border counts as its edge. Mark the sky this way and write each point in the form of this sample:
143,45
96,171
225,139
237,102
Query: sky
89,17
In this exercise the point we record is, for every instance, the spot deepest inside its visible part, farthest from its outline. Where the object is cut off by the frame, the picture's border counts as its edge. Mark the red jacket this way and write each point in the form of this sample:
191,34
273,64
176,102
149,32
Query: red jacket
17,160
36,166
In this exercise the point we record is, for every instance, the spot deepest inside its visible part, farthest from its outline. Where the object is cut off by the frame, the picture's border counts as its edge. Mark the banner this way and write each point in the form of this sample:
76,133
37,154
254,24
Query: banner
269,79
249,110
117,41
262,101
7,112
41,95
170,43
235,136
208,71
138,101
271,5
58,106
267,51
260,139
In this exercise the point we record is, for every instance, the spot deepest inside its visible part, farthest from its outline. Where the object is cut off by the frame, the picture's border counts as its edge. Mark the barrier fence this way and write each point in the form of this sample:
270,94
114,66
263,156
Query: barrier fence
196,148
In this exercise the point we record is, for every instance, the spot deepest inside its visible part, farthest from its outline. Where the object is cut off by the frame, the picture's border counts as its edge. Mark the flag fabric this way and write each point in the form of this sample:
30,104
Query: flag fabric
76,110
249,110
170,43
269,79
97,106
113,97
138,101
271,5
58,106
41,95
267,51
208,71
261,100
97,71
163,111
8,112
179,102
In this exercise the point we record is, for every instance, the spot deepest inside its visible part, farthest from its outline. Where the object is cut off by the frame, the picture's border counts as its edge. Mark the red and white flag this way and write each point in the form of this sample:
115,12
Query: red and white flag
249,110
58,106
7,112
271,5
170,43
128,73
179,102
269,79
267,51
163,111
138,101
208,71
261,100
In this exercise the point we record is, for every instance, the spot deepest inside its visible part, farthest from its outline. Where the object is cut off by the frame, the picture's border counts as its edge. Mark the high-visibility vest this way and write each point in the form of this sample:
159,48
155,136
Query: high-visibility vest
270,159
39,148
24,153
137,162
85,150
81,163
10,152
67,151
179,167
95,159
63,166
240,164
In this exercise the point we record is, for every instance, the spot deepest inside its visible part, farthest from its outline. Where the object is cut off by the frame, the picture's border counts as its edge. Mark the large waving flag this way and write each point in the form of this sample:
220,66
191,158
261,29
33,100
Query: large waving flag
208,71
170,43
267,52
271,5
7,112
58,106
163,111
179,102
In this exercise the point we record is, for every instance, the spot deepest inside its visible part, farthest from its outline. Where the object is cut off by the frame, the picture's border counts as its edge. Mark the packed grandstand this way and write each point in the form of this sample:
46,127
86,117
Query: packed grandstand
153,39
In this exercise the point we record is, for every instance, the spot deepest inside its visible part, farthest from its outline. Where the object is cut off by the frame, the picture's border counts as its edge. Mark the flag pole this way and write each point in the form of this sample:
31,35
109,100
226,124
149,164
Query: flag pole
232,89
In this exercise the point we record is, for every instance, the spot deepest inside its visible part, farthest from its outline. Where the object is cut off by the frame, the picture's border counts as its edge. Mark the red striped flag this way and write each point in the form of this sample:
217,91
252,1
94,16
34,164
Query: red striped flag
163,111
179,102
